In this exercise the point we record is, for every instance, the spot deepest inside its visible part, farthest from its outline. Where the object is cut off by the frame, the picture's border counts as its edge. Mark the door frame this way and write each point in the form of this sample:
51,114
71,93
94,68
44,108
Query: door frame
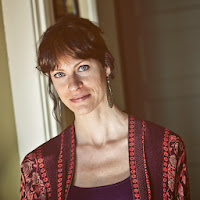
24,23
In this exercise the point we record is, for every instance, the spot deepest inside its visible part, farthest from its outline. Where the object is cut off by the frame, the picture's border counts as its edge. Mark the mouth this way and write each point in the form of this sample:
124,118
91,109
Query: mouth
80,99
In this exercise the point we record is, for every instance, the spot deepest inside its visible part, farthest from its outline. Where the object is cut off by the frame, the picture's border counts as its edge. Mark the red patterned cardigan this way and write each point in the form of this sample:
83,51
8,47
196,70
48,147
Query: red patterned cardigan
157,158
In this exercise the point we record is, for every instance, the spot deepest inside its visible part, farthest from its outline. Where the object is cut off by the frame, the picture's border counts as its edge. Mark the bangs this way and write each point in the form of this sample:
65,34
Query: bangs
75,43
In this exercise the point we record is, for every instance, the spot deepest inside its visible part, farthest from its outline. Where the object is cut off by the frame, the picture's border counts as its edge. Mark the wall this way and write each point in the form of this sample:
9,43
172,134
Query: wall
107,21
9,158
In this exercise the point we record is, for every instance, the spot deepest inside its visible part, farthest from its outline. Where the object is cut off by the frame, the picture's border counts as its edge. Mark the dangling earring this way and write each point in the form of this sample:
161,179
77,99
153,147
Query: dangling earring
109,93
59,106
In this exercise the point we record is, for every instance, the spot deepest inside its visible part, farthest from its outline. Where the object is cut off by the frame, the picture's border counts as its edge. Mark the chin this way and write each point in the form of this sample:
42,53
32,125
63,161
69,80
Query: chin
82,110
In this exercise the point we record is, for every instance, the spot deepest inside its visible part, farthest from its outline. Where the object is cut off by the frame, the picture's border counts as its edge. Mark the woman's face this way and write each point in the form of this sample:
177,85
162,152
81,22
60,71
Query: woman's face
81,84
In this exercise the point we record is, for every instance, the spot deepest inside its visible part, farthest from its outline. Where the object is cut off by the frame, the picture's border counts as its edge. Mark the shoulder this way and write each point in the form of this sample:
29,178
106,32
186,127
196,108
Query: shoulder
172,144
51,146
156,133
168,135
49,149
33,155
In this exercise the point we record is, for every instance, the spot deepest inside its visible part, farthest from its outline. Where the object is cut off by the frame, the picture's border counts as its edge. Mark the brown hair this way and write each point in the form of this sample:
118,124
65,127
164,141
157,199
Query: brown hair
71,36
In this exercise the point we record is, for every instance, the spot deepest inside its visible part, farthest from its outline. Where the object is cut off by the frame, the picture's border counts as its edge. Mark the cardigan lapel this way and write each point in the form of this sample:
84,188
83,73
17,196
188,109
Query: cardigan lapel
69,160
137,160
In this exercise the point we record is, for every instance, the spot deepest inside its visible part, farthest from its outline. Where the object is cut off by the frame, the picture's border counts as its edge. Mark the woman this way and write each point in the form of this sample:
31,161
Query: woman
105,153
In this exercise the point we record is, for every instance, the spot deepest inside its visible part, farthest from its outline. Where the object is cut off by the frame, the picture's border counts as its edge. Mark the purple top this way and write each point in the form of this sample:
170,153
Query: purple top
118,191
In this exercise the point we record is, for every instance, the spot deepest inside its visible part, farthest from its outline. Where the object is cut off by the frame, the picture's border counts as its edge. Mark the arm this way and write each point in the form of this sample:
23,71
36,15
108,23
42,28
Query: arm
182,191
32,186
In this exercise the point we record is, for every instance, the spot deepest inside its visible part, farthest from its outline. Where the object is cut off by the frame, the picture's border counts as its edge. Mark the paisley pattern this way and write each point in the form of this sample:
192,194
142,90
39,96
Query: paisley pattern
32,185
178,182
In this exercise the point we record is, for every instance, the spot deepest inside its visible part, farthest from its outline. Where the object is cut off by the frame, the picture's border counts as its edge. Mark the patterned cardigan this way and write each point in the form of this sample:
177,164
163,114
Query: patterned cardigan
157,158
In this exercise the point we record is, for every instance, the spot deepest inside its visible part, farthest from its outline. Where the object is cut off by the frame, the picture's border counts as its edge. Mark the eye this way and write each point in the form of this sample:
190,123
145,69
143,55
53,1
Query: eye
83,68
59,74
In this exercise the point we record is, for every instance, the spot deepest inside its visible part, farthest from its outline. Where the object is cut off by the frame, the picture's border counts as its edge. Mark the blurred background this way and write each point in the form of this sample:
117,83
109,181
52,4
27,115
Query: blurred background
156,47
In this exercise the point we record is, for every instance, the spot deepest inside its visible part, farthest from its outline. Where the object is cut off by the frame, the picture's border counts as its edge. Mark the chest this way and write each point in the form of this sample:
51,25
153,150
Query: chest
102,166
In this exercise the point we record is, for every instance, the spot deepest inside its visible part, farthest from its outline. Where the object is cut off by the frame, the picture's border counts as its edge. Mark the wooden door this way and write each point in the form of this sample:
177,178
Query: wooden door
160,48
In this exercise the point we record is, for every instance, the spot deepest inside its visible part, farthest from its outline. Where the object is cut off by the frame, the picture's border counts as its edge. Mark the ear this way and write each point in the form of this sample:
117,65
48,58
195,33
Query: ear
108,70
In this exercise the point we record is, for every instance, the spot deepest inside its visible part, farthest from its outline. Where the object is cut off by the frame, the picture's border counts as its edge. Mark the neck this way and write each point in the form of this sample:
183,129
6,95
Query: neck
99,127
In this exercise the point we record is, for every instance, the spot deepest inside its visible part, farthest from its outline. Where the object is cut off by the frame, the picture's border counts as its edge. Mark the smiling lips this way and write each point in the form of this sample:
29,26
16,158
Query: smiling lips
80,99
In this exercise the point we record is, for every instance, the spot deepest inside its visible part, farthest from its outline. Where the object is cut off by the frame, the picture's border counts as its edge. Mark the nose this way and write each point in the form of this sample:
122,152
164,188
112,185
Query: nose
75,82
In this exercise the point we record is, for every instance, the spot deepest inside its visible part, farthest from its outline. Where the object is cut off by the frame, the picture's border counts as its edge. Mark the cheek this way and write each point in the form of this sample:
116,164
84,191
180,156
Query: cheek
100,84
59,87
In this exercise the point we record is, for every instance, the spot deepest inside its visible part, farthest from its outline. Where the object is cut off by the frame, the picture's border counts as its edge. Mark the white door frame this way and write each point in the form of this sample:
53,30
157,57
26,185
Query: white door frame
24,23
